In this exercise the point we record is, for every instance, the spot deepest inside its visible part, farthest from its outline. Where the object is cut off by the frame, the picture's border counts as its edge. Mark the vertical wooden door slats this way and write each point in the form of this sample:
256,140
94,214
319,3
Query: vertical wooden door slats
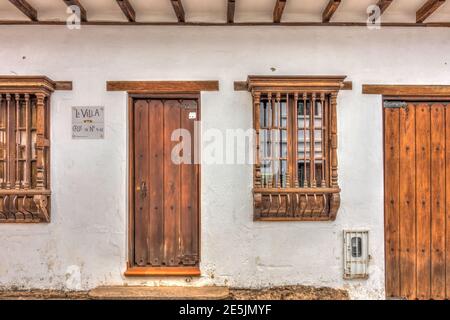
171,185
407,202
156,182
166,215
447,205
392,200
141,174
189,208
423,201
417,201
438,201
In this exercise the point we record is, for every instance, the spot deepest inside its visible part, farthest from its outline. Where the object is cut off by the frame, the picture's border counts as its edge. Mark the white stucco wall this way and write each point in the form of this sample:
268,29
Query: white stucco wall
89,178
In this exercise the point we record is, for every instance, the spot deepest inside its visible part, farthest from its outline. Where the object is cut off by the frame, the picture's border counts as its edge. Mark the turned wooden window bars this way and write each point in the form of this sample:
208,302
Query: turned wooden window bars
24,149
295,174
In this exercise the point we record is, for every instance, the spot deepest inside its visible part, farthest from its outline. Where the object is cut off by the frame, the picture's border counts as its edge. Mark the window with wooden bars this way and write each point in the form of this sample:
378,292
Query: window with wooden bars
24,149
295,173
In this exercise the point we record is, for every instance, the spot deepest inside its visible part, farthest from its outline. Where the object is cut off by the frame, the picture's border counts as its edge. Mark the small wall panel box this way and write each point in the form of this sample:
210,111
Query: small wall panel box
356,254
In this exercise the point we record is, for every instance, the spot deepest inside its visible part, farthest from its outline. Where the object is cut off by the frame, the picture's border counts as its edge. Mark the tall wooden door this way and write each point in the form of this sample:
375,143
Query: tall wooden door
166,184
417,199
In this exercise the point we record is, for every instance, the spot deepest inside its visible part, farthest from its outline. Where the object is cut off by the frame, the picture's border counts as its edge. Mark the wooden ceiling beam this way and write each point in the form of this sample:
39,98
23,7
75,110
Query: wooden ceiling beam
428,9
278,10
83,14
230,11
26,9
383,5
179,10
330,10
127,10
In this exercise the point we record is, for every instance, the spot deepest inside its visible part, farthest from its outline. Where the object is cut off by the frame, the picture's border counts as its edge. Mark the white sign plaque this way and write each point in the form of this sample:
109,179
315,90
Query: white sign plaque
88,122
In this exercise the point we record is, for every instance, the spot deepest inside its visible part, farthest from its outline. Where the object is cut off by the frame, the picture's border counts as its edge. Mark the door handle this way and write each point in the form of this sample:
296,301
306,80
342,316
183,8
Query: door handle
142,189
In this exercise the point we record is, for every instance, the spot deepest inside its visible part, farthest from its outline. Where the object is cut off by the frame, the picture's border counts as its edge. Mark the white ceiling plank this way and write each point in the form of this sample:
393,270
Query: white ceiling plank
353,11
214,11
50,10
254,11
9,12
154,11
402,11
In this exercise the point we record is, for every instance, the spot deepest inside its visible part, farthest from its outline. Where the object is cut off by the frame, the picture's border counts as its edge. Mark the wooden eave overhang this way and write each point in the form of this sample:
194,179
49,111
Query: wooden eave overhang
429,13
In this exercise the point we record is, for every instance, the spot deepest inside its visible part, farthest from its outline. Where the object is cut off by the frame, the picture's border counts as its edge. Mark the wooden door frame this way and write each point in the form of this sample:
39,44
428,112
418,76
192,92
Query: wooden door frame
132,270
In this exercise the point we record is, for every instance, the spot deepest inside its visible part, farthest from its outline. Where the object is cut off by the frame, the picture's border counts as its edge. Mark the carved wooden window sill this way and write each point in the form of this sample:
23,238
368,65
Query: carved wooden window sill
296,204
295,174
24,206
25,148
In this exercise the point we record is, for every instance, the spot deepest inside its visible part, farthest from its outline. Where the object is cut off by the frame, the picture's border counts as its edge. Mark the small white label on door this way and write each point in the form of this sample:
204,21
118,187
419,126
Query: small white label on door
192,115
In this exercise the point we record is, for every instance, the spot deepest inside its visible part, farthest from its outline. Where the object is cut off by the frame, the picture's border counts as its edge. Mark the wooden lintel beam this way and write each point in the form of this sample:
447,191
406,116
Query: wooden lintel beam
383,5
83,14
26,9
127,10
428,9
163,86
278,10
330,10
230,11
179,10
407,90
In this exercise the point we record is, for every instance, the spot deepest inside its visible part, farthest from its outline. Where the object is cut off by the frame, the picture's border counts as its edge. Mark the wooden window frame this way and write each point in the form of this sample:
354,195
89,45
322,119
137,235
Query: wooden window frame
297,203
27,199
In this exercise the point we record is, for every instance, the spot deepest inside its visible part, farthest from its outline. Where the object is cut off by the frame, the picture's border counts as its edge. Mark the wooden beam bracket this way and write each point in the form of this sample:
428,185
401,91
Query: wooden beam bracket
26,9
330,10
127,10
230,11
179,10
278,10
428,9
383,5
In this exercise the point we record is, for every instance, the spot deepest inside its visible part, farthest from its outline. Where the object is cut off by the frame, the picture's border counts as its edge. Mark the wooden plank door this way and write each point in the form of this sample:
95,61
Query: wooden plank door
166,184
417,200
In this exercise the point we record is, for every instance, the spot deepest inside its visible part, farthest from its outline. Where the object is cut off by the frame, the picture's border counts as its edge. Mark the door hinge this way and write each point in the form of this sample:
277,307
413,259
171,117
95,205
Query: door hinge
395,104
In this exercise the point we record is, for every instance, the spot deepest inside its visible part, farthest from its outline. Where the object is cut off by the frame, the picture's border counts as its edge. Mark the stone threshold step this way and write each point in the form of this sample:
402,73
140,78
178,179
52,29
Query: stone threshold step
159,293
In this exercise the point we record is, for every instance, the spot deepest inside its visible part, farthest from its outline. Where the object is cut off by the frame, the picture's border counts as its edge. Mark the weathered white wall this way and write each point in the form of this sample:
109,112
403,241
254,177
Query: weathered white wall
89,206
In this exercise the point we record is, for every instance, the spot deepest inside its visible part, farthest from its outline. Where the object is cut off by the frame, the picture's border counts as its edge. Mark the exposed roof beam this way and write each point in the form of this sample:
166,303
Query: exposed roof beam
383,5
330,10
278,10
127,10
83,15
179,11
239,24
26,9
427,9
230,11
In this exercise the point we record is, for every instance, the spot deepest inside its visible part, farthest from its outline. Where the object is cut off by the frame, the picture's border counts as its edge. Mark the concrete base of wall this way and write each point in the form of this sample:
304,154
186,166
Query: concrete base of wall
159,293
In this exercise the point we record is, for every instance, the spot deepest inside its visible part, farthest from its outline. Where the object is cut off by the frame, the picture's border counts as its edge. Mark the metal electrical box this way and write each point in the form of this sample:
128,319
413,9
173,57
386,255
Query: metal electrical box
356,254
